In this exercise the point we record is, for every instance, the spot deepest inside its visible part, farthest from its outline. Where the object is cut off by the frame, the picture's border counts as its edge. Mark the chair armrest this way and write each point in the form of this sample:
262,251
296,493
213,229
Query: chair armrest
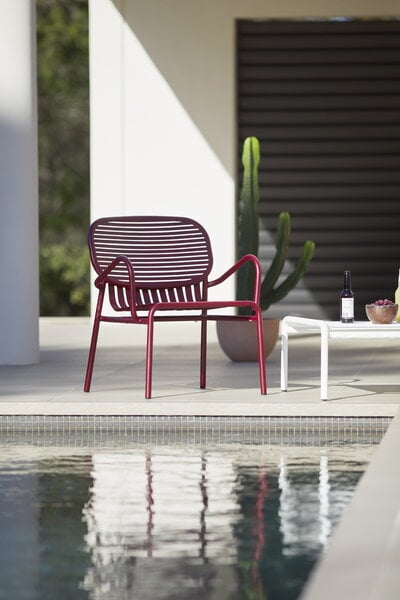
232,270
101,279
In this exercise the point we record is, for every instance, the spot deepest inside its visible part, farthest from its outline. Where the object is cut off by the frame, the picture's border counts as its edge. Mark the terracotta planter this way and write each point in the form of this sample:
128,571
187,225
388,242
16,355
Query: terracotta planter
238,339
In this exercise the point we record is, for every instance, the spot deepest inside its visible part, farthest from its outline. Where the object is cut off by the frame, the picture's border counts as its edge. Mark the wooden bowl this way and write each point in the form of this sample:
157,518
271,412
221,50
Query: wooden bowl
383,314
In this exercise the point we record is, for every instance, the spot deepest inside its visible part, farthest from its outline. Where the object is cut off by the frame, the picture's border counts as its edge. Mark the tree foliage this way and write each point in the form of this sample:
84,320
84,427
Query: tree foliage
63,113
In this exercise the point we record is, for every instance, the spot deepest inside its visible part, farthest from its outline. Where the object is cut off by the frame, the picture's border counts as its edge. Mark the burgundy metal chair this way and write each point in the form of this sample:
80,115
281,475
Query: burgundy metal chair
153,264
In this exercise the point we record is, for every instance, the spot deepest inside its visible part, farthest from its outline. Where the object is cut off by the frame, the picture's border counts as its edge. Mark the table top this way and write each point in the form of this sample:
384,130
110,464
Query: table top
339,329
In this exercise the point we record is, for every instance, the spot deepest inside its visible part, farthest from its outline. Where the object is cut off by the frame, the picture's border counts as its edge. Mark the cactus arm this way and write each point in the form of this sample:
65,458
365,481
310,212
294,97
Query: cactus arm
291,281
282,247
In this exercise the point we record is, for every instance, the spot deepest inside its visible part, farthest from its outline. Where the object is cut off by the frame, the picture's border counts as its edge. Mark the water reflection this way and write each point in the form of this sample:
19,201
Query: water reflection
301,500
207,524
176,510
170,523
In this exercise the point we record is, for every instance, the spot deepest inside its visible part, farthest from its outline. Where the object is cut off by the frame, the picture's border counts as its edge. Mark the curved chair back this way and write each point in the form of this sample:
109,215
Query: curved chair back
171,258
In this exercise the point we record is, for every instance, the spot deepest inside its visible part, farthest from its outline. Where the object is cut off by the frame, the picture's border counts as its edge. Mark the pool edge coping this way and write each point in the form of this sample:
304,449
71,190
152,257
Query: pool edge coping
361,562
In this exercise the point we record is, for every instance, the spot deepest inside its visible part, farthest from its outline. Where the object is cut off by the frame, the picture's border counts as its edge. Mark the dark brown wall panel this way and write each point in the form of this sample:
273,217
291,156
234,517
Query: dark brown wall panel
324,100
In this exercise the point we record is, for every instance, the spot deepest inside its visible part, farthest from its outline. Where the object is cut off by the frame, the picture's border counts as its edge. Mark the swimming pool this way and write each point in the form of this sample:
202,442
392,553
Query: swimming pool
100,517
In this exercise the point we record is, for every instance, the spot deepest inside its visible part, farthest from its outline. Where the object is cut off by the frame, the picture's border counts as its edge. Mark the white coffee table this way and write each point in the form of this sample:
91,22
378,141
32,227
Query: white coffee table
328,330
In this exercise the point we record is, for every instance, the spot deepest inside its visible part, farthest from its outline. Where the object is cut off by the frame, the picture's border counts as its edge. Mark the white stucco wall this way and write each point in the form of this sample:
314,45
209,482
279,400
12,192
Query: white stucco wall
19,228
163,104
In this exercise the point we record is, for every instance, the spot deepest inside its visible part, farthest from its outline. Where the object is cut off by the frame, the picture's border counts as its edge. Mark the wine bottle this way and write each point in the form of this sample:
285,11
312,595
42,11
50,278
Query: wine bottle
397,299
347,300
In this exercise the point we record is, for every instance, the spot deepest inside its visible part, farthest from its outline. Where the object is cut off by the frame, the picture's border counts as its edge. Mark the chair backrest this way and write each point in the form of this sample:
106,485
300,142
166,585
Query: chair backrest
171,257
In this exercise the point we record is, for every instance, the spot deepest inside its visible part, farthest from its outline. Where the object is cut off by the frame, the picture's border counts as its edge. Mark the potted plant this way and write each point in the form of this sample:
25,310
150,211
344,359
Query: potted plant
233,342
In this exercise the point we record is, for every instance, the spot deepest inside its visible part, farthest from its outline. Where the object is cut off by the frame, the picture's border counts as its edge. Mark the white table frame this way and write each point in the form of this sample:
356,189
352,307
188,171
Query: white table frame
328,330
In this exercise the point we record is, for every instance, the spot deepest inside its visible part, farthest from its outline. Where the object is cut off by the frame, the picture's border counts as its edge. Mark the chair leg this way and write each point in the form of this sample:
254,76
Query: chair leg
92,353
261,359
93,342
203,354
149,356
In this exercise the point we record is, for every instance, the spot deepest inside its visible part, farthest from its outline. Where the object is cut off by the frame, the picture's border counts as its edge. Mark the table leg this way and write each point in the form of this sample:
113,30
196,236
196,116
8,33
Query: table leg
284,359
324,361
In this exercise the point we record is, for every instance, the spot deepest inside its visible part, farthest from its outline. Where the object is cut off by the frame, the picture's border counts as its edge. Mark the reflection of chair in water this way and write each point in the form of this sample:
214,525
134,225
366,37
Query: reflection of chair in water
204,500
151,265
169,506
259,529
149,505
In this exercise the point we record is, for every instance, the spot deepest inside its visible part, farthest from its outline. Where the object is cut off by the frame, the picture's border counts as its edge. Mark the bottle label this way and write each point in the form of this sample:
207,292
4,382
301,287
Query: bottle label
347,308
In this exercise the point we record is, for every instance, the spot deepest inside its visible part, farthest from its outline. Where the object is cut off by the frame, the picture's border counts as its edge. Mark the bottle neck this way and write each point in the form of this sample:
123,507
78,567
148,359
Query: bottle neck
347,280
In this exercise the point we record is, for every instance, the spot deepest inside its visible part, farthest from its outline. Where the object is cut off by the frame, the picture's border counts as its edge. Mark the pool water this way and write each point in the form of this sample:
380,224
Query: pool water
169,522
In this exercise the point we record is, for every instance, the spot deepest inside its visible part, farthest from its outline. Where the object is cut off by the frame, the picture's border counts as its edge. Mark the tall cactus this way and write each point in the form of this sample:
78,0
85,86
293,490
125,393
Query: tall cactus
271,292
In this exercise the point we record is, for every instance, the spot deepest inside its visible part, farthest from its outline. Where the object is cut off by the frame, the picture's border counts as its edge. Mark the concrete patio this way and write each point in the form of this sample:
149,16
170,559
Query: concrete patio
363,376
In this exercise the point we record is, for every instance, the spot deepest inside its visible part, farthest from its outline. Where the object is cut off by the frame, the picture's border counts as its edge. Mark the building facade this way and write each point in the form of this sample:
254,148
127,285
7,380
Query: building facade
165,137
